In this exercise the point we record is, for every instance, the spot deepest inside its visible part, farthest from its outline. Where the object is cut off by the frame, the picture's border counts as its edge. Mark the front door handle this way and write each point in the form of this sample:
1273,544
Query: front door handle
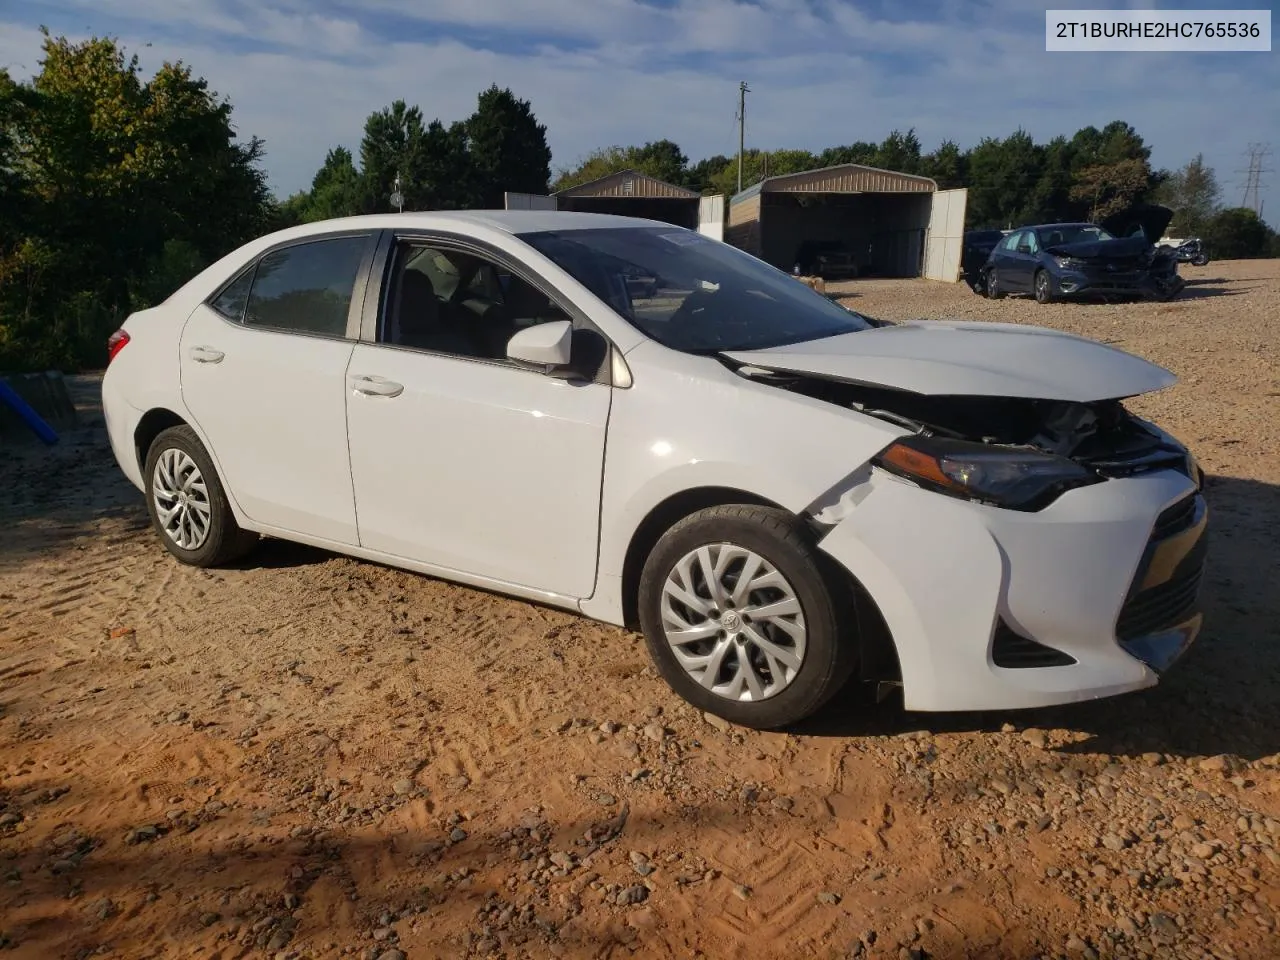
376,387
206,355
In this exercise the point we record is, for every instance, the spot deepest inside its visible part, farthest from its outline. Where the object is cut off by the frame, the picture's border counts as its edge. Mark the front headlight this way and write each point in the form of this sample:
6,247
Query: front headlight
1012,477
1069,263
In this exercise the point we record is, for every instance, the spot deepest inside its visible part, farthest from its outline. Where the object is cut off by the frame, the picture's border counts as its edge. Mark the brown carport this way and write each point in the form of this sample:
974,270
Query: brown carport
890,224
630,193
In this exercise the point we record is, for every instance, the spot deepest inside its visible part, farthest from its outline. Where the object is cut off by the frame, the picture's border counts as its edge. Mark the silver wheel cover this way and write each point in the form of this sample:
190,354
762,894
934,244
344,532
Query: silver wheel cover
733,622
181,499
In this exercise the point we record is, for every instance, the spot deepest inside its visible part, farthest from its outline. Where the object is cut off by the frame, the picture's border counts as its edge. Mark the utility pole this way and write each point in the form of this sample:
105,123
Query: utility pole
397,198
1253,184
743,90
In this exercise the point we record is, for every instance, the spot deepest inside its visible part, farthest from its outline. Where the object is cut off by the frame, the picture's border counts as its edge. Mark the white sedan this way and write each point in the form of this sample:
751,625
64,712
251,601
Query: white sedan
630,420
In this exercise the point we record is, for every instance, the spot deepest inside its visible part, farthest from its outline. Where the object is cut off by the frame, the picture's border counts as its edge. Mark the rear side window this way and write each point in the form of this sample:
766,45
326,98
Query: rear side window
231,301
306,288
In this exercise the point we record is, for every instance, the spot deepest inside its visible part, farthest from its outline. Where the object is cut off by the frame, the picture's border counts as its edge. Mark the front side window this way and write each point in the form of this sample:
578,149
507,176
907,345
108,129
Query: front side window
691,293
453,301
306,288
1010,243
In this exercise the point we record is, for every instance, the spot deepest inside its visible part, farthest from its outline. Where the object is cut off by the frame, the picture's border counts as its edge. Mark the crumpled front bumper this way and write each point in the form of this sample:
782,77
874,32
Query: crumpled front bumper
1148,284
978,599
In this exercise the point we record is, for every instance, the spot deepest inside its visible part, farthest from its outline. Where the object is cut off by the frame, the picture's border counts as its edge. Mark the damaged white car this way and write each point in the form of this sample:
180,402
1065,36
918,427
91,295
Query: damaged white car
630,420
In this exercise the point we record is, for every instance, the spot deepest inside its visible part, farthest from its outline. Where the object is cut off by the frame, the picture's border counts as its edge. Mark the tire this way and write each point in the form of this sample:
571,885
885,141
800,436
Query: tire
171,460
1200,260
823,661
1043,286
994,292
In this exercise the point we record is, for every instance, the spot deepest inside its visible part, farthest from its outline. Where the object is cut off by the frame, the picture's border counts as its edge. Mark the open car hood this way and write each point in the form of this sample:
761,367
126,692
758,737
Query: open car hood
965,358
1153,219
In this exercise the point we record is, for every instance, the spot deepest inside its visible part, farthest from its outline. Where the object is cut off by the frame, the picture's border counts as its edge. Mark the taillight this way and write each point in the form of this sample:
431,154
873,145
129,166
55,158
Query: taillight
115,343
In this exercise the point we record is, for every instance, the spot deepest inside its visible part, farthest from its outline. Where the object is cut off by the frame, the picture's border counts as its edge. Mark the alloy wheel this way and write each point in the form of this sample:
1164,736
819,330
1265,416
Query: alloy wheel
182,499
734,622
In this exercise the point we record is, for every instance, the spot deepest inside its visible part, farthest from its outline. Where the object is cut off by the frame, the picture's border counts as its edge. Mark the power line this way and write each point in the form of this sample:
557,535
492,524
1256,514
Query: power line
1253,184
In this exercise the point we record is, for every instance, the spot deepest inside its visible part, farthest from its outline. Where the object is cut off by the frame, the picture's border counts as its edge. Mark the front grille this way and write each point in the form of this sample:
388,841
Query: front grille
1174,600
1012,650
1160,608
1175,518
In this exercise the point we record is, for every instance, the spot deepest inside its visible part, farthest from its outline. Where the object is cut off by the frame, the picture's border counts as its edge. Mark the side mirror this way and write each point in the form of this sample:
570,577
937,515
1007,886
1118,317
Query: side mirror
544,344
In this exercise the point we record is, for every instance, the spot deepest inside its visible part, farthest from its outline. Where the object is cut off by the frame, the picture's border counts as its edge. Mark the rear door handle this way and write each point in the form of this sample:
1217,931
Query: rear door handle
376,386
206,355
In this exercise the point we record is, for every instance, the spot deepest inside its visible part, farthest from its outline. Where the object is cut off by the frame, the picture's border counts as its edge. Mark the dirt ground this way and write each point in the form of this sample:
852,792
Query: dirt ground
310,756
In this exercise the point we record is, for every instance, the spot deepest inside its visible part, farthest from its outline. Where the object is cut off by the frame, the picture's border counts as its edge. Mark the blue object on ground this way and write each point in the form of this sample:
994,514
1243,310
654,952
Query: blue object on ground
10,398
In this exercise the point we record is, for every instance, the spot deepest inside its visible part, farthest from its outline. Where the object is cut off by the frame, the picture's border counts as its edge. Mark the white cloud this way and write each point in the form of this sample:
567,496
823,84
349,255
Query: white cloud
621,71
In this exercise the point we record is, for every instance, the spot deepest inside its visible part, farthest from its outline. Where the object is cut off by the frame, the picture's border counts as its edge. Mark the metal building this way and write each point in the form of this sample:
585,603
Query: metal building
878,222
630,193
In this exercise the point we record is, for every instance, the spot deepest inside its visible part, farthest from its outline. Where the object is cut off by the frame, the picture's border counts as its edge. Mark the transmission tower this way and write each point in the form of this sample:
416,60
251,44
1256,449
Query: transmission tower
1253,183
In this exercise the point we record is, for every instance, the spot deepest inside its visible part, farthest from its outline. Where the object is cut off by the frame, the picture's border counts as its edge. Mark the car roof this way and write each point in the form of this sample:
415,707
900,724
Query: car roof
508,221
1057,226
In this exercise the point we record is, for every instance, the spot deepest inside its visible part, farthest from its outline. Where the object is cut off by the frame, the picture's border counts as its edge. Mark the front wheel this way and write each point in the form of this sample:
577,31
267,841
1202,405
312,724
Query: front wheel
1200,260
743,619
188,507
1043,287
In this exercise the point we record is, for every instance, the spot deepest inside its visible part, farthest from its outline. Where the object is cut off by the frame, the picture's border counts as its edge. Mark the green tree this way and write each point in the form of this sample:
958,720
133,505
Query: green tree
1051,196
335,189
1003,175
508,147
113,168
443,170
392,147
861,152
945,166
598,163
701,174
899,152
662,159
1109,188
1237,233
1193,194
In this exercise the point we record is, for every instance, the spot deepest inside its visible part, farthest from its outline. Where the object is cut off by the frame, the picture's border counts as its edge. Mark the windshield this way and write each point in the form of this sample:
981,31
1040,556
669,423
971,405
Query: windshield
691,293
1073,233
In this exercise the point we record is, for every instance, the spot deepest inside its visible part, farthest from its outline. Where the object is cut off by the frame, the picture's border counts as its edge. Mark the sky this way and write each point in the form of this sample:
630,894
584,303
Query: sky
304,74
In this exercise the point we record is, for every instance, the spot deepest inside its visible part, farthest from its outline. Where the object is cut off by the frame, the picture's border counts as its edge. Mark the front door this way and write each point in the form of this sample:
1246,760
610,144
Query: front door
263,367
462,459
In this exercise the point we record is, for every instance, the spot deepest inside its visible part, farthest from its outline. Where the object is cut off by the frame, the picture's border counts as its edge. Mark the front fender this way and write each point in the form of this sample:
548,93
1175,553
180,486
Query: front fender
688,422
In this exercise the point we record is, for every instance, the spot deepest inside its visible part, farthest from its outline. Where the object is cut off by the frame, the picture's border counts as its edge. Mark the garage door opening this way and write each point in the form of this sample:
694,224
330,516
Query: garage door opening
850,221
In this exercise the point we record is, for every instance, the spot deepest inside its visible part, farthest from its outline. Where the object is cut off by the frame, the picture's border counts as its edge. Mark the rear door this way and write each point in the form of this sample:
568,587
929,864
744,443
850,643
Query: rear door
263,374
1008,263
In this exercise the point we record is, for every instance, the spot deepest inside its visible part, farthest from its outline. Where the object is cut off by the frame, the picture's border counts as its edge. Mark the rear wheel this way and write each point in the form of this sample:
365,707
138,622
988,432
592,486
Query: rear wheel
1043,287
743,619
187,504
994,290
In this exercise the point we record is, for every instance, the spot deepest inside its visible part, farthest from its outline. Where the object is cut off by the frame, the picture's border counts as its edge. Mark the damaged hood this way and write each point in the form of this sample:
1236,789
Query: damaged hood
963,358
1152,219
